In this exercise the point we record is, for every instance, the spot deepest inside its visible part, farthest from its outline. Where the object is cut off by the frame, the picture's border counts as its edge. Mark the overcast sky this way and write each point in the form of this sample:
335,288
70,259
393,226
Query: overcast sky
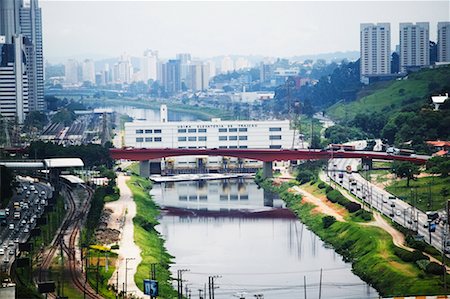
206,29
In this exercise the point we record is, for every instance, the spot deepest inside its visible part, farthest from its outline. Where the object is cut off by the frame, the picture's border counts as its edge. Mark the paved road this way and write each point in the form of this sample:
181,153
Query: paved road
32,198
398,210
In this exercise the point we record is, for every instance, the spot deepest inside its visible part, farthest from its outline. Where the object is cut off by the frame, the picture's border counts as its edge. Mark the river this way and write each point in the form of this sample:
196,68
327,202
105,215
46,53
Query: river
254,245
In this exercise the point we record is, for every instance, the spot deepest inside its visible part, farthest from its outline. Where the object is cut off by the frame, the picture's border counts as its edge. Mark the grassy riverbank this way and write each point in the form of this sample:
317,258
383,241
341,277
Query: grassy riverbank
149,240
371,251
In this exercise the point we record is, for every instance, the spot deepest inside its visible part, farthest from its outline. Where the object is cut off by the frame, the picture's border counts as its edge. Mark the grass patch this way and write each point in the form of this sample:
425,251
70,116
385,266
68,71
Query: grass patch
97,271
370,249
423,193
148,239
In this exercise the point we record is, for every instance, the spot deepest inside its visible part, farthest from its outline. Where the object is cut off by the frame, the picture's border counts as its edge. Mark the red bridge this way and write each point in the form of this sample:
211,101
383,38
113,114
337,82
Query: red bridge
265,155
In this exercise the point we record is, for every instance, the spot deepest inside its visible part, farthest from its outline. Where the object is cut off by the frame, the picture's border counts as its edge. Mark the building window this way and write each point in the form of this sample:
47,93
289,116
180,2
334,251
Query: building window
157,131
275,146
181,130
223,146
148,139
222,130
181,138
202,130
192,130
182,198
139,139
232,138
148,131
223,197
233,146
243,138
274,129
222,138
203,197
242,129
202,138
275,137
232,130
243,146
139,131
192,138
158,139
244,197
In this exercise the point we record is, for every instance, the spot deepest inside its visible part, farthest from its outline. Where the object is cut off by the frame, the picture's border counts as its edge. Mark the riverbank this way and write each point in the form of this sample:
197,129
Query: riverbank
371,251
148,239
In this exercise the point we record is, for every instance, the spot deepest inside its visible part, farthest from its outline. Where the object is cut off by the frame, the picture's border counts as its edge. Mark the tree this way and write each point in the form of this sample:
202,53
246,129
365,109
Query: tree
439,165
64,116
405,170
35,119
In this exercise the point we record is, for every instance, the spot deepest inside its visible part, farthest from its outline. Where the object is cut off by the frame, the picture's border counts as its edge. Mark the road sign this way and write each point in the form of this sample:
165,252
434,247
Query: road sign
151,287
348,168
432,227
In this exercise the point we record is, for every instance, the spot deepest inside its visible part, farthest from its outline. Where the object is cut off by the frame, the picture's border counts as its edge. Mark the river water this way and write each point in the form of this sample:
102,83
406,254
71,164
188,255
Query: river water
236,231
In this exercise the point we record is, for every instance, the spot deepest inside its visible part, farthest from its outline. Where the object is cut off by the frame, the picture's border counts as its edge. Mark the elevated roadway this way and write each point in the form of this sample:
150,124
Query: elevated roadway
265,155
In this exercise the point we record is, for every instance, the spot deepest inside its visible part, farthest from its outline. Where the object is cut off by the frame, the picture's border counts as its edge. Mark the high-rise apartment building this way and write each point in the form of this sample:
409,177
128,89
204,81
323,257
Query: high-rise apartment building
414,45
88,71
171,76
149,66
71,70
375,49
30,21
227,65
198,78
123,70
443,42
185,60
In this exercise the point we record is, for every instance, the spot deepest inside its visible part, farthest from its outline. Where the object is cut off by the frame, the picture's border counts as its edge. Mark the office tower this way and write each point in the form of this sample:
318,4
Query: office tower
443,42
31,27
149,66
265,72
71,70
9,21
414,45
375,49
171,76
123,70
88,71
227,65
13,80
198,78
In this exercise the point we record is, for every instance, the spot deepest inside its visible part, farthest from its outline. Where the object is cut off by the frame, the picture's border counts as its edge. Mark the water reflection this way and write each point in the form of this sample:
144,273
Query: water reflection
229,228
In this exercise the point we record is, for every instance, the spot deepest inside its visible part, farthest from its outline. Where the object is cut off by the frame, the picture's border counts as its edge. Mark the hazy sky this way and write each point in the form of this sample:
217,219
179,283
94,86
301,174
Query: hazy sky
205,29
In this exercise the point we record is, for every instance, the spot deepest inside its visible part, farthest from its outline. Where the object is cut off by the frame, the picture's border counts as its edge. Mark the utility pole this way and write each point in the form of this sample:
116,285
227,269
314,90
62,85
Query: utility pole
320,284
62,267
180,282
304,285
211,285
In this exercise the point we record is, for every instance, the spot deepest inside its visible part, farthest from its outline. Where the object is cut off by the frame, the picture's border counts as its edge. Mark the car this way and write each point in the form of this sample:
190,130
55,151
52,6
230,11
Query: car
26,230
425,225
385,200
393,205
42,192
32,220
11,226
11,243
391,214
5,260
16,240
2,251
398,213
23,222
24,187
36,192
11,252
7,211
391,197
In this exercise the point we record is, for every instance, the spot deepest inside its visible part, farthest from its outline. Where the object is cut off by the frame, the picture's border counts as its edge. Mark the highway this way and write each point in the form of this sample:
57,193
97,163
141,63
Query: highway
398,210
30,199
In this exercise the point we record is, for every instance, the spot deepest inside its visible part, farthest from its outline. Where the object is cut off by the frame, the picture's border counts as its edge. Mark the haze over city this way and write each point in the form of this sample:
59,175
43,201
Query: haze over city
102,29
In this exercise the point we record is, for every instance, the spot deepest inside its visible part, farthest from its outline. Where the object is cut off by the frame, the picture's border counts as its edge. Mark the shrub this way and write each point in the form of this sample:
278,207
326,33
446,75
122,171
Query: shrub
409,256
422,264
434,268
352,206
304,176
328,189
115,246
328,221
365,215
336,197
333,196
321,185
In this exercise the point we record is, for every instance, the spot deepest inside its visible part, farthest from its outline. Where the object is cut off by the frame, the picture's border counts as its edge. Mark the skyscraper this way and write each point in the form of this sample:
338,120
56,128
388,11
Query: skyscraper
185,60
375,49
71,70
443,41
198,78
171,76
149,65
31,27
414,45
88,71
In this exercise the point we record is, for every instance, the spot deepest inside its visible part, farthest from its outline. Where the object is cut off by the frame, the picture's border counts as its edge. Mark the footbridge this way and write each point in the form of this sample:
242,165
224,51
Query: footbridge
264,155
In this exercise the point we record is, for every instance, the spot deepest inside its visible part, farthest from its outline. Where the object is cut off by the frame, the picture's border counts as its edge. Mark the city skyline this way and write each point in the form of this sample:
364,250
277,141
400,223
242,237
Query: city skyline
208,29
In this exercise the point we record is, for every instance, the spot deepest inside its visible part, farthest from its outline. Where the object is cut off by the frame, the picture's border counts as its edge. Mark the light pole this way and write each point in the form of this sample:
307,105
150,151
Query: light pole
126,273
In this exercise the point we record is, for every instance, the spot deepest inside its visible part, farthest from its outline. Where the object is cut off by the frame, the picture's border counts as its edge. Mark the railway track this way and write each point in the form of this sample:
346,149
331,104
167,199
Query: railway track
72,224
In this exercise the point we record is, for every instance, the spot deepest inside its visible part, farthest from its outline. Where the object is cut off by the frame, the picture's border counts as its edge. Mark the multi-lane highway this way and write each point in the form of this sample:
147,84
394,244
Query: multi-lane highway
25,207
398,210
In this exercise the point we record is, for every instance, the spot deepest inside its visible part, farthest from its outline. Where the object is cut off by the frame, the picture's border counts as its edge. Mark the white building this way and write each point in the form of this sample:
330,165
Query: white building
88,71
443,43
375,49
198,76
227,65
71,68
275,134
149,65
414,45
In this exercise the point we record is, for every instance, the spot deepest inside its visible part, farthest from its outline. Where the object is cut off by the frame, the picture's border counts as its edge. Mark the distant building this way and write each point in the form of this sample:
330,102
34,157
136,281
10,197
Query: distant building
414,46
88,71
185,60
375,49
198,78
265,72
227,65
171,76
149,65
433,53
241,63
443,42
71,70
123,70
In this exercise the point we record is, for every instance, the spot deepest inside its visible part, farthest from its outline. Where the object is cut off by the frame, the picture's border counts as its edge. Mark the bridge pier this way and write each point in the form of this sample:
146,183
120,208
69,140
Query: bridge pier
148,167
268,169
367,163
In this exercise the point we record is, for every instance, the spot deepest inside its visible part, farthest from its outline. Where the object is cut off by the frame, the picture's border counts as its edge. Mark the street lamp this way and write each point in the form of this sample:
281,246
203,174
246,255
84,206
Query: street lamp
126,273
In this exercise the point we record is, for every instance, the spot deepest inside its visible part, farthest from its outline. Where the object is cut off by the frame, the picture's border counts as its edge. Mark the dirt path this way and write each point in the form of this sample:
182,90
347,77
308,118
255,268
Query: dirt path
322,206
129,252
